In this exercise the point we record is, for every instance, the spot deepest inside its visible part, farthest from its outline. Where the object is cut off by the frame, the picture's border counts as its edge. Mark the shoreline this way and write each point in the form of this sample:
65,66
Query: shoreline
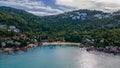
60,43
107,49
11,50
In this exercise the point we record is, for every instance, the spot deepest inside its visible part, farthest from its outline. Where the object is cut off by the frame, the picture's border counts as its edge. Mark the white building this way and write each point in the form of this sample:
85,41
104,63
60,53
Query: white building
12,27
16,30
10,42
3,44
17,43
102,41
99,16
3,26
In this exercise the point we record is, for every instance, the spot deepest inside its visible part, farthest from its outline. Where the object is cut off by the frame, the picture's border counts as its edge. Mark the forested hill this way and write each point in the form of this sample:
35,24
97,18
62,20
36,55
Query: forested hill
19,18
86,26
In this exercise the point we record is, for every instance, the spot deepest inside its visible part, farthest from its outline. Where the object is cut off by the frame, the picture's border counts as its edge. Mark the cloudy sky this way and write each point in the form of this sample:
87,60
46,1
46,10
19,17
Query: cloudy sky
51,7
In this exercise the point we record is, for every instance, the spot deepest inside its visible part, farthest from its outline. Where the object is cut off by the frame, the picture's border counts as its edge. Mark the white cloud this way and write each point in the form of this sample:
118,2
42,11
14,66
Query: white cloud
38,13
105,5
70,1
35,7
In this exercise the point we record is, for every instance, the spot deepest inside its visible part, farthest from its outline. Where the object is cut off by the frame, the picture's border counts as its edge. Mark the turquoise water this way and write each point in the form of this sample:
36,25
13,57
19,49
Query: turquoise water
59,57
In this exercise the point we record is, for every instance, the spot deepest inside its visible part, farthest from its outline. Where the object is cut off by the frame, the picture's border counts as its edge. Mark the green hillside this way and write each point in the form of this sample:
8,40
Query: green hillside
85,26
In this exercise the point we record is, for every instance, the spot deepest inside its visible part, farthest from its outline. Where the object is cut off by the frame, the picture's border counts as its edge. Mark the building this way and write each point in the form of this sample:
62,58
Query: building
12,27
3,26
3,44
16,30
99,16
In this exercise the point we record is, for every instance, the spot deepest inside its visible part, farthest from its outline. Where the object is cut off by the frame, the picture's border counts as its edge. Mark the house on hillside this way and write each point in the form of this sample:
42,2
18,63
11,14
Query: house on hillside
3,44
102,40
16,30
89,40
10,42
17,43
3,26
99,16
12,27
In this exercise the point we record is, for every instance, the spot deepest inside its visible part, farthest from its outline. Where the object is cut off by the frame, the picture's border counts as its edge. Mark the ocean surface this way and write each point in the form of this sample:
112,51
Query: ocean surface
53,56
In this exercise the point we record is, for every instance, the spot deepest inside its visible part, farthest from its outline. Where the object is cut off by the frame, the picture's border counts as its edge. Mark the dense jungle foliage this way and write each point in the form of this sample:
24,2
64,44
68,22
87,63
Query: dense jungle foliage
85,26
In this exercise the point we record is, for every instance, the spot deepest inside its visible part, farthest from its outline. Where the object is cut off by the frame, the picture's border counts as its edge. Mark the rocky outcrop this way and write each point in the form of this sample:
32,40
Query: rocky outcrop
107,49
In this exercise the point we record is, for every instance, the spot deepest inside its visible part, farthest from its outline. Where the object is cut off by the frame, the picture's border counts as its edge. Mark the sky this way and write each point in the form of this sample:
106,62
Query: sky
52,7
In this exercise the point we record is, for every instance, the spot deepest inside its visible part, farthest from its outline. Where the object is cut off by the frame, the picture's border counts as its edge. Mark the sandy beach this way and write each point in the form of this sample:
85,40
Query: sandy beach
60,43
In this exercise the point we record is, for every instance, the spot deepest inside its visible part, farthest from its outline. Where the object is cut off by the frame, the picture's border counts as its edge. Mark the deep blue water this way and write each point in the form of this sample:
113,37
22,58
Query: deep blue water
59,57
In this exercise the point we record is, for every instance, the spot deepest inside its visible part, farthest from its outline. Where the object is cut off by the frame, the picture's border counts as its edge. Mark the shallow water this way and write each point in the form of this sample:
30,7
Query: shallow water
59,57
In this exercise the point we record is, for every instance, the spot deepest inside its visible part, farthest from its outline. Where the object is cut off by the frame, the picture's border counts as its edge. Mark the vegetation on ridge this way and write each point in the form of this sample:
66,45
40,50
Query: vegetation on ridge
85,26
